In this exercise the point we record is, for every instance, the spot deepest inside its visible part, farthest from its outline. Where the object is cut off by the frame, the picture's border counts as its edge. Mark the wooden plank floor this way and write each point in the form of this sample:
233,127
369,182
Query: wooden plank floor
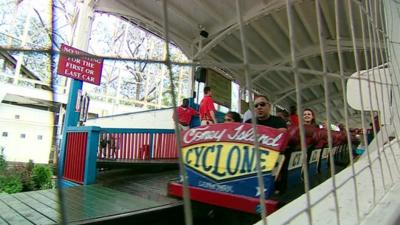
130,163
138,182
82,204
139,161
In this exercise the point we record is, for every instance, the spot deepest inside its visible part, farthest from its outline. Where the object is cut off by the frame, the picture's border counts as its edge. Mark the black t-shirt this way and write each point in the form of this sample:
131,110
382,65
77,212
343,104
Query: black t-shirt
272,121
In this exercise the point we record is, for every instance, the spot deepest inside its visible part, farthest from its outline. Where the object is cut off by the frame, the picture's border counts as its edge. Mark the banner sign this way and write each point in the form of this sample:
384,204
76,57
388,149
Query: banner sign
221,88
222,157
81,67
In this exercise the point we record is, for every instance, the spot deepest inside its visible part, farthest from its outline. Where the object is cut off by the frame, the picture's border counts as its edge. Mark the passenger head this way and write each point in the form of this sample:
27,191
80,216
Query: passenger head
262,107
283,114
293,110
207,91
342,127
309,117
185,103
232,117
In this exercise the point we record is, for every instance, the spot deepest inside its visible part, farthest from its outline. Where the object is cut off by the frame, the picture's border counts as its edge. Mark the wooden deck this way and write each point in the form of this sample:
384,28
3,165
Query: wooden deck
84,204
140,182
121,196
119,163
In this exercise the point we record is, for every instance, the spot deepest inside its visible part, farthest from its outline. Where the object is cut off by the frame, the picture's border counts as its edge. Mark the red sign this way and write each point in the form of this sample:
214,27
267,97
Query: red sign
78,65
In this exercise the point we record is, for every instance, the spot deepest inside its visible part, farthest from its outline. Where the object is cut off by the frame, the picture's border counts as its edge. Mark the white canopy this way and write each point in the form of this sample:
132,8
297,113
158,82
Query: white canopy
267,41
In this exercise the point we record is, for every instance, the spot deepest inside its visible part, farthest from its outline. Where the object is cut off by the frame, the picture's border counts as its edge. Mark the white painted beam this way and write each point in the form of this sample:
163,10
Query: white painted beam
326,14
307,23
210,11
232,25
261,55
308,52
322,100
309,84
264,34
231,51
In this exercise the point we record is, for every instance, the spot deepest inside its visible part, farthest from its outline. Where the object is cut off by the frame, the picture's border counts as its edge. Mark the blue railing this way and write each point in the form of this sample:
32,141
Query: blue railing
84,145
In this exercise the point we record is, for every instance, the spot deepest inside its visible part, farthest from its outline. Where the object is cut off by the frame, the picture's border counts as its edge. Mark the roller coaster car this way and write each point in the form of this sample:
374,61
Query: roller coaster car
221,163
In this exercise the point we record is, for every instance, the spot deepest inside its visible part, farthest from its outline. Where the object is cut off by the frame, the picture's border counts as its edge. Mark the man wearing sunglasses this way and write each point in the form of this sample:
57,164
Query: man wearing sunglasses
262,109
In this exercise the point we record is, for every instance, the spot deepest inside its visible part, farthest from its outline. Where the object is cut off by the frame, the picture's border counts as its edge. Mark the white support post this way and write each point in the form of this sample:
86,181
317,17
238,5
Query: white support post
84,25
25,37
80,41
392,20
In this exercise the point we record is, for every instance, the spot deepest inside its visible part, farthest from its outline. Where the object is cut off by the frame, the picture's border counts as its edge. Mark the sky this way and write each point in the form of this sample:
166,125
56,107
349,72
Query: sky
108,23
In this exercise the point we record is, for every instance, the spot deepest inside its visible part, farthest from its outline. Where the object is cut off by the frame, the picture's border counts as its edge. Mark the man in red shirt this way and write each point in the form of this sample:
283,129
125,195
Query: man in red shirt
207,109
185,114
294,119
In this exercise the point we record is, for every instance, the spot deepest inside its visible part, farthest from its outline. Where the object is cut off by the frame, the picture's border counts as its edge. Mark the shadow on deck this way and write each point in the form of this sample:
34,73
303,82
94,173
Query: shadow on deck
118,163
92,204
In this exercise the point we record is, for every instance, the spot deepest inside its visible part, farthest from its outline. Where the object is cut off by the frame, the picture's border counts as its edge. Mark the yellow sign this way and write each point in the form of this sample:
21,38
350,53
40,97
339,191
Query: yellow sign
225,160
221,88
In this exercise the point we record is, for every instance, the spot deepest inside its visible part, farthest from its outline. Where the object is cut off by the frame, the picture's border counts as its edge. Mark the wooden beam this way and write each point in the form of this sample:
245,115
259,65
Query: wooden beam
308,52
321,100
307,23
210,11
232,25
231,51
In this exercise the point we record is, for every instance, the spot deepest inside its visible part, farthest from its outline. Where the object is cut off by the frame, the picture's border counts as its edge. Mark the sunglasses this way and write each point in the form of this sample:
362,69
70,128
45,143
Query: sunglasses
262,104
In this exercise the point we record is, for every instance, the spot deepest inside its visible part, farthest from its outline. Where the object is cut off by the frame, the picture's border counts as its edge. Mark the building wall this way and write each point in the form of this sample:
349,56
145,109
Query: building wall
156,119
25,133
105,109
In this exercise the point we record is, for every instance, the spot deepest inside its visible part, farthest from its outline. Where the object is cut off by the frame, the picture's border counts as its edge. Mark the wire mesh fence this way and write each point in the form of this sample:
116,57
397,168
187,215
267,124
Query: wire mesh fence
337,58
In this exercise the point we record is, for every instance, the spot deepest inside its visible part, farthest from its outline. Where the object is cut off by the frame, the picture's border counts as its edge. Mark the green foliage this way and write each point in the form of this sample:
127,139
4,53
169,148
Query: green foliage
26,179
10,184
41,176
3,163
29,166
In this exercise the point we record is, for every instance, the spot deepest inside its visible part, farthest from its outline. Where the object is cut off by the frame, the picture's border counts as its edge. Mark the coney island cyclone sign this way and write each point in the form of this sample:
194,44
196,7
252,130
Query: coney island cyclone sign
222,157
